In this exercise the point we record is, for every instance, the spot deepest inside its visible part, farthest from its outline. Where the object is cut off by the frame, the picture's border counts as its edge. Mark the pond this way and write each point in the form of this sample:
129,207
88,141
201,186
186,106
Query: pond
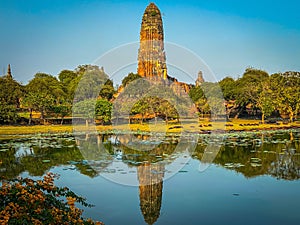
233,178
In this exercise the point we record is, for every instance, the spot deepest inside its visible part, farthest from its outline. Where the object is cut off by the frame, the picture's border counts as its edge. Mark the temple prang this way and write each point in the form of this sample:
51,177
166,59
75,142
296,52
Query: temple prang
8,73
151,55
200,79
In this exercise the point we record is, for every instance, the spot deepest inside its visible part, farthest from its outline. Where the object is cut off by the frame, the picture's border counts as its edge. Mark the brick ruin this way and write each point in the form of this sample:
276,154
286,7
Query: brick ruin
151,54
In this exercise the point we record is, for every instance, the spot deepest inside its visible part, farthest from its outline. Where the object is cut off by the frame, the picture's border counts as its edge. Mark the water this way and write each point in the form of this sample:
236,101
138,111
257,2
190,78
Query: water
254,178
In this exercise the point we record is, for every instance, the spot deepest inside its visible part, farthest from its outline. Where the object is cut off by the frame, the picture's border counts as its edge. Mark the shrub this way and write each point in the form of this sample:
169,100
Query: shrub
26,201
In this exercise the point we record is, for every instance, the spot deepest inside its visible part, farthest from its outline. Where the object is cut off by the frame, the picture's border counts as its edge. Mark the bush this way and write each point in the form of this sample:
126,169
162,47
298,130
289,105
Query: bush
26,201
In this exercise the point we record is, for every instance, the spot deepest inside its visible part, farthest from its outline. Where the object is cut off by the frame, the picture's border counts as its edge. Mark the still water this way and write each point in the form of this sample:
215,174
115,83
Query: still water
141,179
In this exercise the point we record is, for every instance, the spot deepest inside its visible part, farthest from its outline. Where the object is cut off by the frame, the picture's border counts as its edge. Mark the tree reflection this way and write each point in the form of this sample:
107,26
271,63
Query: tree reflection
92,155
287,164
40,155
275,154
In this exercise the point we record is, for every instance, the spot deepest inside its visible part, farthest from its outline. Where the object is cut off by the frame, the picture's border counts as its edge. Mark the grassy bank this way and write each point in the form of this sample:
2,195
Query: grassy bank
15,130
189,126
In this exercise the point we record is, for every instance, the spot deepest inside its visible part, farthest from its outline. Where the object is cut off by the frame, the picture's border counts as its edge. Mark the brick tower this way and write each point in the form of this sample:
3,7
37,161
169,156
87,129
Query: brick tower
9,75
151,55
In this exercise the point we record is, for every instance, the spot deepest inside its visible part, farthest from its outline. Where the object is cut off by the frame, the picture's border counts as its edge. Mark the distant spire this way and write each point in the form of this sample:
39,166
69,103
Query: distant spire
200,79
9,72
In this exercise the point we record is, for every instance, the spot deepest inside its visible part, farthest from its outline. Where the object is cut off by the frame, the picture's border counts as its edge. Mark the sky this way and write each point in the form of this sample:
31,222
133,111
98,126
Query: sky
229,36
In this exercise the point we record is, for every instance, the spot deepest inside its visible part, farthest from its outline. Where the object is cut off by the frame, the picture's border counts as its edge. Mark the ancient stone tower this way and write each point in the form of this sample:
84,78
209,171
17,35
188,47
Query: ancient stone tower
151,55
200,79
9,75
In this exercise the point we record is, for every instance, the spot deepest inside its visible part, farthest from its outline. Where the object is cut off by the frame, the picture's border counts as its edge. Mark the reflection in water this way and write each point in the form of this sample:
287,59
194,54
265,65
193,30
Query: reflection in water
275,154
151,184
286,166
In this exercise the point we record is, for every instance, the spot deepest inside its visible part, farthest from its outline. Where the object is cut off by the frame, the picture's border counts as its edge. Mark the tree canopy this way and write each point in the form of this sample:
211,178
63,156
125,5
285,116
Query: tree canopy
255,94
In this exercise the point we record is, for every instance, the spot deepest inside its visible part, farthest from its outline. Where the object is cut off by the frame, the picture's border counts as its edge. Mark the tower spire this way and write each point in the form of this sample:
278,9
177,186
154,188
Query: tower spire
151,55
9,75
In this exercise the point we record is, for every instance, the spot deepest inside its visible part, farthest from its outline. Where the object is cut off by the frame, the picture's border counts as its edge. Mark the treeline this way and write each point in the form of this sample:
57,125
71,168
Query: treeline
51,96
256,94
90,93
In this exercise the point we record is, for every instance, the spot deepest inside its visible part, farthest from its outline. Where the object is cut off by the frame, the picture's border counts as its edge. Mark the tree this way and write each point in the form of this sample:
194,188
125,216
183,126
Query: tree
11,93
85,109
27,201
65,76
216,106
82,69
61,111
196,93
214,99
203,107
167,110
8,113
265,101
36,102
90,83
154,104
43,92
69,80
228,87
103,110
129,78
107,90
248,88
141,107
287,97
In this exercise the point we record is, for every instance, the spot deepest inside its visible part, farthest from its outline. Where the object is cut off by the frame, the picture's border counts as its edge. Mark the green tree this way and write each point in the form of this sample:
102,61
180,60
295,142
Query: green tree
82,69
153,106
43,92
129,78
107,90
35,101
61,110
214,99
248,88
11,93
66,76
216,106
196,93
69,80
141,107
265,101
167,110
228,87
90,82
8,113
85,109
287,94
103,110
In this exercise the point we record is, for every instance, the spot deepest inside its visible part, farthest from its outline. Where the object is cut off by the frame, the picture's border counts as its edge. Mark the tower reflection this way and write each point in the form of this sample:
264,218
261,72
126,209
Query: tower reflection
150,178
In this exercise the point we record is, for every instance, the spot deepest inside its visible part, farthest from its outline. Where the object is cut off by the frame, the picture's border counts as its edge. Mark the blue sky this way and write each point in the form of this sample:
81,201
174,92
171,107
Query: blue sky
52,35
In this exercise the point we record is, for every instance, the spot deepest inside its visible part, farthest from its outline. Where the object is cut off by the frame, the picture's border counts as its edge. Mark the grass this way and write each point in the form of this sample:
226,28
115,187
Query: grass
36,129
172,127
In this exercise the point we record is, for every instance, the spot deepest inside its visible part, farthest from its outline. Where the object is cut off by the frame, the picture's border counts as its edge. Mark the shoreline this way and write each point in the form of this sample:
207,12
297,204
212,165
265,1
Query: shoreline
203,127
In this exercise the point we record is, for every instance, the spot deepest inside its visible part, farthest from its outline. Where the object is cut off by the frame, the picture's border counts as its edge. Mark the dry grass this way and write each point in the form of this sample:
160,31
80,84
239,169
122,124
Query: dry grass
36,129
172,127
